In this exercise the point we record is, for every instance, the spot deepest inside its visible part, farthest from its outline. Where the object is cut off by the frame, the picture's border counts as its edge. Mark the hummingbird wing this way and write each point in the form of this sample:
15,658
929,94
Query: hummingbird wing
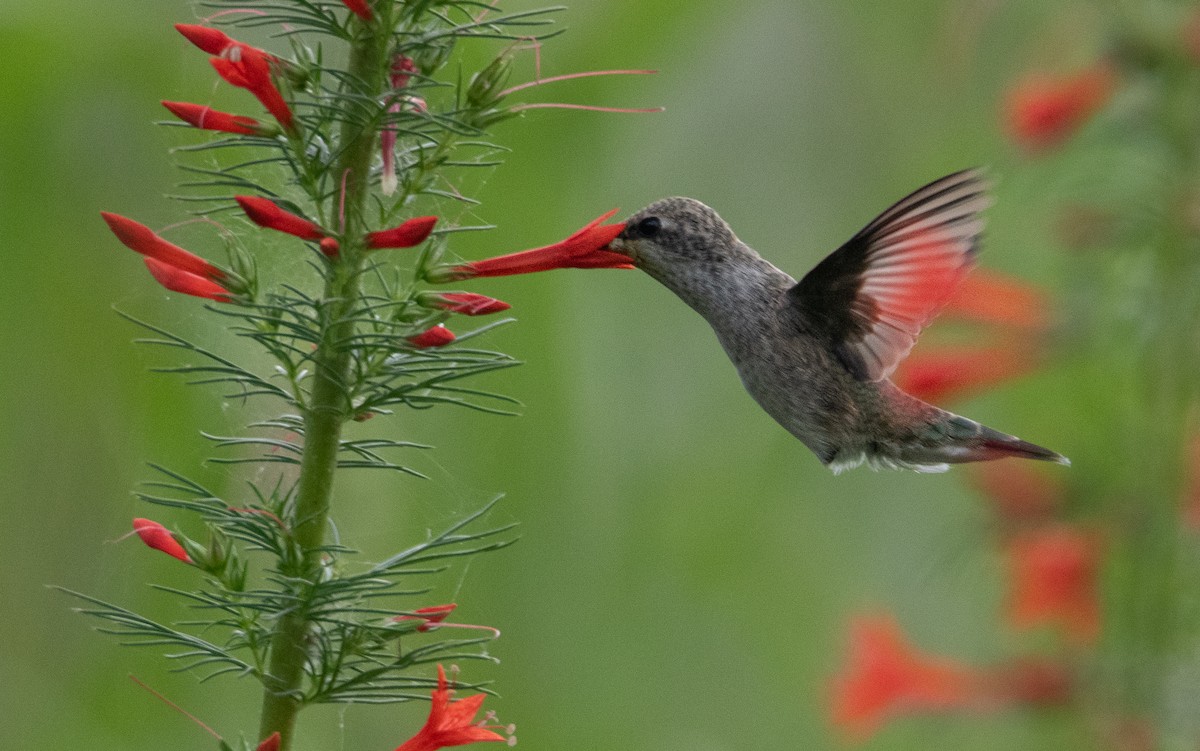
873,295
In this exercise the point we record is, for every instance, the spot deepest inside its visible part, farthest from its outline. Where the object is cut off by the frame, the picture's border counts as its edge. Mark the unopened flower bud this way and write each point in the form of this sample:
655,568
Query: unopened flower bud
158,537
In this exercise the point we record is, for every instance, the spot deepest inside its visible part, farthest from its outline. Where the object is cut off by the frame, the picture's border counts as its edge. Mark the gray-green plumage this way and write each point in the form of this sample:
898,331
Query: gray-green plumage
816,354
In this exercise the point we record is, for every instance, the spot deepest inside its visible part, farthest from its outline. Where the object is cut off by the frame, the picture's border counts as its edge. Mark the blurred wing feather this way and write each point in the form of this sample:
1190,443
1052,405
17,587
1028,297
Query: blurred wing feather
872,296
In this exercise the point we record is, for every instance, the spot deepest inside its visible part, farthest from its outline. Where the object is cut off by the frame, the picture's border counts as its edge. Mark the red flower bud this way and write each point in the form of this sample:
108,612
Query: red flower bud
207,118
141,239
156,536
1042,111
330,247
178,280
360,8
585,249
466,303
266,213
438,336
270,743
411,233
213,41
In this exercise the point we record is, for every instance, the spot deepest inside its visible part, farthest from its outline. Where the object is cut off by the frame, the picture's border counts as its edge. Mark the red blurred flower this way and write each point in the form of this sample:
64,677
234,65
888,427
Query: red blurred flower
156,536
266,213
360,8
1053,580
411,233
270,743
947,372
201,116
1020,492
1043,110
438,336
886,676
992,297
451,723
1033,682
466,303
1191,489
585,249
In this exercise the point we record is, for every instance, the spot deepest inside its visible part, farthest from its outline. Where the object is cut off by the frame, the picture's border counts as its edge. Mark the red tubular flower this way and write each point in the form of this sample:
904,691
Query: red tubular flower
465,303
934,374
991,297
411,233
156,536
250,68
1042,111
270,743
1053,580
438,336
1191,488
178,280
585,249
1019,492
207,118
359,8
141,239
450,723
266,213
886,676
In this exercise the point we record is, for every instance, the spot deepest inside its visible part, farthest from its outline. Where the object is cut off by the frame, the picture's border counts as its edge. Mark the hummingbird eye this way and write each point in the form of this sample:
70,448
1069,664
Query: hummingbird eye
649,227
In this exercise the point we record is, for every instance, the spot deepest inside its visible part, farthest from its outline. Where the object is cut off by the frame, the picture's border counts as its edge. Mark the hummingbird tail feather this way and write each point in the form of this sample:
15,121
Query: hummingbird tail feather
998,448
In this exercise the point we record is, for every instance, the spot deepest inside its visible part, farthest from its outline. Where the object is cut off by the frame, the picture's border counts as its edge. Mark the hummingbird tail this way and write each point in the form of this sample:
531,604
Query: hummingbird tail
1006,445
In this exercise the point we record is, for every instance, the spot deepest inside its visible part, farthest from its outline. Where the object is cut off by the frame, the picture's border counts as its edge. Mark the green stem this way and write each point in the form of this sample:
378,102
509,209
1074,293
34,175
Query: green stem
327,409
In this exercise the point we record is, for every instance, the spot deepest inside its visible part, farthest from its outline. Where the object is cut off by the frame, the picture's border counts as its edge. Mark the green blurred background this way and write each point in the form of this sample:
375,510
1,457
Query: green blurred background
685,568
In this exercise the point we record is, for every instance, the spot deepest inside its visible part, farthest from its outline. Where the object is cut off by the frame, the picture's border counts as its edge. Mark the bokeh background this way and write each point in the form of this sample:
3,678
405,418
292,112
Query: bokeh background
686,568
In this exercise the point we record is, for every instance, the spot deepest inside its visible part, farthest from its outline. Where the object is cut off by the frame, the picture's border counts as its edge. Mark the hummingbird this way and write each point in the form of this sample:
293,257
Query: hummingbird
816,354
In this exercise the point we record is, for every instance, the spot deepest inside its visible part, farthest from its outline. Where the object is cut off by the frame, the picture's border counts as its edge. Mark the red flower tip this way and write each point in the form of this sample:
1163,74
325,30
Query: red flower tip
585,249
991,297
466,303
184,282
330,247
886,676
451,723
156,536
438,336
1053,581
212,41
265,213
1042,111
207,118
934,374
270,743
141,239
359,8
411,233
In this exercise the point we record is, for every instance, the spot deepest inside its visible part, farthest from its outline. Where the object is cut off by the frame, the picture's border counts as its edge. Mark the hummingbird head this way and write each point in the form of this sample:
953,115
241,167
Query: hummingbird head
690,250
675,233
